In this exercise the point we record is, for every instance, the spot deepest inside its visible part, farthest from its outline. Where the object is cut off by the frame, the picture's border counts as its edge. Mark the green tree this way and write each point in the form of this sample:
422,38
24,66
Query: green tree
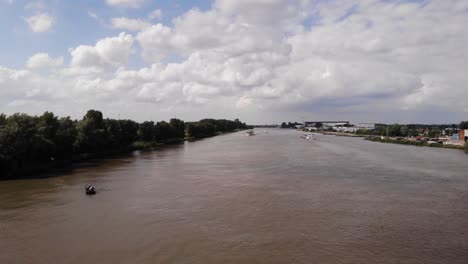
433,133
2,120
404,131
65,137
146,131
163,131
178,127
44,140
463,125
394,130
91,136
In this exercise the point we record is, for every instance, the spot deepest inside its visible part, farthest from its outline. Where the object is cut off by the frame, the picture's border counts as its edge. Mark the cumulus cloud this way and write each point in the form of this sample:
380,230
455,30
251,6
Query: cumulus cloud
43,60
327,57
125,3
40,23
155,15
390,54
108,52
129,24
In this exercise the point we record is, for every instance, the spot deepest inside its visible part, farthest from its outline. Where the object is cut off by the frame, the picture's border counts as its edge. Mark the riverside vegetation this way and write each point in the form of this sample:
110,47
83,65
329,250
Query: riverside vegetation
414,143
32,144
382,133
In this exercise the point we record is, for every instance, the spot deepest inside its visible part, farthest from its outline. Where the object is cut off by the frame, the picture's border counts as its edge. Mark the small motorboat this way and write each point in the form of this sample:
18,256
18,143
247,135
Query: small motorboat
90,190
250,133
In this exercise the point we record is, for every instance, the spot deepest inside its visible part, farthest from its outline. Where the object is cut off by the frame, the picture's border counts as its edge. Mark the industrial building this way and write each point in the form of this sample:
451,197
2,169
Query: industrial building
463,135
327,123
369,126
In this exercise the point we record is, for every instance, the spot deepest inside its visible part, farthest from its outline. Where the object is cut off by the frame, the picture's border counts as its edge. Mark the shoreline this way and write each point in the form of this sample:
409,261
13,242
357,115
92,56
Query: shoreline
412,143
56,168
341,134
40,170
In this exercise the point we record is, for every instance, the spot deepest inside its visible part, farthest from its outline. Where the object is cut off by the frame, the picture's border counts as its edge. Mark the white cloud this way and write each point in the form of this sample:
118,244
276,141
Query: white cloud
108,52
129,24
269,55
155,15
43,60
125,3
40,23
93,15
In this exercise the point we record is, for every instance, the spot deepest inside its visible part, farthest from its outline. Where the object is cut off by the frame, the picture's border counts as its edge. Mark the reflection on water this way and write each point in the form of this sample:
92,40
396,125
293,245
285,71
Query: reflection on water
271,198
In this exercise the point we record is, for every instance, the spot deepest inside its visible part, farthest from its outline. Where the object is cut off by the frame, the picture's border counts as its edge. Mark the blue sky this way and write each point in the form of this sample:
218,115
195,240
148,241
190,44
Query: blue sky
74,26
261,61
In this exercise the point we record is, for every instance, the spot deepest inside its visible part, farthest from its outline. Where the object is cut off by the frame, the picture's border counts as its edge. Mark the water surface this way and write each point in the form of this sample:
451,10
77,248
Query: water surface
271,198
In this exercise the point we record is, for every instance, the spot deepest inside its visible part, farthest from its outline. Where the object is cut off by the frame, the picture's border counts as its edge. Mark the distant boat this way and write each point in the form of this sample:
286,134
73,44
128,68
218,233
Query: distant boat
90,190
308,137
250,133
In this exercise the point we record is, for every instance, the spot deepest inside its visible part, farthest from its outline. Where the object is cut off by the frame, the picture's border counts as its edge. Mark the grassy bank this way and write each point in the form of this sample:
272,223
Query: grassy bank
412,143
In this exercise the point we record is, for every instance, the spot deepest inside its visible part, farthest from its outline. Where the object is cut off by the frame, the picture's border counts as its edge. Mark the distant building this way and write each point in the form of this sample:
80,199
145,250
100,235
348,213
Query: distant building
346,129
311,129
463,135
327,123
366,125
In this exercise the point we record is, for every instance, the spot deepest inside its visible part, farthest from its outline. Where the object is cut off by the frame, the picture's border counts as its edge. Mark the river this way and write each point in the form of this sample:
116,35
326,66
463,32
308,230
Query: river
269,198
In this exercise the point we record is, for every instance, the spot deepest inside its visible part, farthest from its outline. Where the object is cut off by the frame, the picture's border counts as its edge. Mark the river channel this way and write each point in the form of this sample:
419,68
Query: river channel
269,198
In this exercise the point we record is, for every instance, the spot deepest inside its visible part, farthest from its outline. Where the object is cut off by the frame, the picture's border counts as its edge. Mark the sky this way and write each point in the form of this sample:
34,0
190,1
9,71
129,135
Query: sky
263,61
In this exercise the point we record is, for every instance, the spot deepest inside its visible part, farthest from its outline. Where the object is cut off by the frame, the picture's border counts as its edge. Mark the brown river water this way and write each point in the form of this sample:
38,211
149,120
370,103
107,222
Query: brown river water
270,198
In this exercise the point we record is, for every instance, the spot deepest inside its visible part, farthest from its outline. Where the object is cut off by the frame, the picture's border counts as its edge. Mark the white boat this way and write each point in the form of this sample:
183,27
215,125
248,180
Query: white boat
308,136
250,133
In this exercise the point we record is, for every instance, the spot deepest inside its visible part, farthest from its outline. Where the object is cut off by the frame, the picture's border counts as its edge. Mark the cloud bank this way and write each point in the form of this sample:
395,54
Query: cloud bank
263,60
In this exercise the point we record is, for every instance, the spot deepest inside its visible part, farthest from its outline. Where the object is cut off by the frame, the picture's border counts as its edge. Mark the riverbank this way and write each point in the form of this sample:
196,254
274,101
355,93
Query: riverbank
32,170
35,169
36,144
412,143
340,134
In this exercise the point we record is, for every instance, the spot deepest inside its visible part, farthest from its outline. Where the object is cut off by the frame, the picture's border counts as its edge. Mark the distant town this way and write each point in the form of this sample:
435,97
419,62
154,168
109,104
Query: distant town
439,134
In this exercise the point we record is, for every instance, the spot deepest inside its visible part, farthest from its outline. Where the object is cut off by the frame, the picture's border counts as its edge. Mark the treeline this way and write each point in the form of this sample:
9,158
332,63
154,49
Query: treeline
290,125
29,144
209,127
